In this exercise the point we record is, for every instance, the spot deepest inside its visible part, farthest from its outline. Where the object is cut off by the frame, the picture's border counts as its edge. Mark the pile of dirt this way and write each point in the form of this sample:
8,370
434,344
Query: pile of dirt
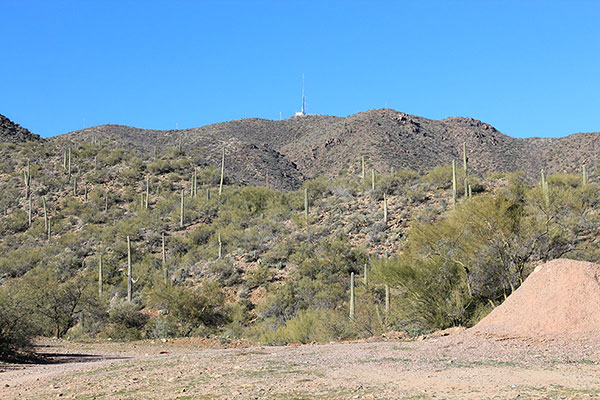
560,299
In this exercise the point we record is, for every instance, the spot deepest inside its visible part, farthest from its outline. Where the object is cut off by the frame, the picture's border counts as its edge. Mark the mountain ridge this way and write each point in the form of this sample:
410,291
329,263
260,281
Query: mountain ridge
12,132
302,147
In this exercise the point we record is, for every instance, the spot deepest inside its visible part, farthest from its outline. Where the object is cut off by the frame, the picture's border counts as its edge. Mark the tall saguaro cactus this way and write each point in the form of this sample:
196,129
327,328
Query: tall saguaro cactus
306,206
45,213
220,245
69,165
147,192
222,172
385,210
351,313
181,211
362,159
27,180
453,182
29,211
545,189
129,271
195,182
164,260
372,179
100,276
466,181
584,176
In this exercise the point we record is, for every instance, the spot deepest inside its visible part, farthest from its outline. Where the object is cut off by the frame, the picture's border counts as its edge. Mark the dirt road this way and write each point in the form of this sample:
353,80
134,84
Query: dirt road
462,366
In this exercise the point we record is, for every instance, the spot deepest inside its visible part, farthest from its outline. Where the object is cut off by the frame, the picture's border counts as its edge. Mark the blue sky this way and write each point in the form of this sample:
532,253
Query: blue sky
530,68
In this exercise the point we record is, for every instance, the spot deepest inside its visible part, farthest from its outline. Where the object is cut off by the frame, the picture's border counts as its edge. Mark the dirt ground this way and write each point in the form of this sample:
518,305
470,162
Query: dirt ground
461,366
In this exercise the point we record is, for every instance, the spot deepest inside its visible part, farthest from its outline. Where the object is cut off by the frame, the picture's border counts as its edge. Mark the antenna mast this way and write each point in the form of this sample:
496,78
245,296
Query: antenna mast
303,97
303,111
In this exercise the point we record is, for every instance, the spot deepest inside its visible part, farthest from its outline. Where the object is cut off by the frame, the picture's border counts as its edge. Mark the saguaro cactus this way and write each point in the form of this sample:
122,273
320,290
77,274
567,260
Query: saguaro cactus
372,179
385,210
466,181
27,180
351,314
69,165
362,174
195,182
365,275
220,245
181,211
545,188
29,211
222,172
129,271
164,259
100,276
306,206
453,182
584,176
45,213
147,192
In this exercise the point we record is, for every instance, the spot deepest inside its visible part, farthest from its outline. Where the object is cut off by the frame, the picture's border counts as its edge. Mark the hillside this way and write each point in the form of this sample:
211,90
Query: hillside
299,148
15,133
257,262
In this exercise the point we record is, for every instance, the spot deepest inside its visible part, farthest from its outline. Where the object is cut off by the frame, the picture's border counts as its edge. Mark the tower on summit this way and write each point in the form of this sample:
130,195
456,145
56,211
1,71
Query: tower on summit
303,111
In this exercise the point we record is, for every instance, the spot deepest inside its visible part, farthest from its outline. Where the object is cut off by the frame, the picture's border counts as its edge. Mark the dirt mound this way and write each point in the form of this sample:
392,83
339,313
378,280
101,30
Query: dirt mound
560,299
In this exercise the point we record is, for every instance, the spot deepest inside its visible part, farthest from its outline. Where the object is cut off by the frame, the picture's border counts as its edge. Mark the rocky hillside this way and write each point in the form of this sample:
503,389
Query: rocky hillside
297,148
14,133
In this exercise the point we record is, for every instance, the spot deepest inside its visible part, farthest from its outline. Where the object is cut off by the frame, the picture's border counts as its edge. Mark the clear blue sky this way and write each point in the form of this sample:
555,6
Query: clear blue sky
530,68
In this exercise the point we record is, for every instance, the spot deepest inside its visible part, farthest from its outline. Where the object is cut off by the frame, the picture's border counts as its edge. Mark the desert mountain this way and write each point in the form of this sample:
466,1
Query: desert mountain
307,146
15,133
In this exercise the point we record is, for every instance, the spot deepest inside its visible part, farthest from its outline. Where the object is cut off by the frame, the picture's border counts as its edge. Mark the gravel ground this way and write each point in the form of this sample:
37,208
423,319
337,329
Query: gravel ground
461,366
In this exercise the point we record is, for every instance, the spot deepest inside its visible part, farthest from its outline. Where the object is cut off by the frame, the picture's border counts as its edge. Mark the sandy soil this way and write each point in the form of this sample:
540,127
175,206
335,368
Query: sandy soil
462,366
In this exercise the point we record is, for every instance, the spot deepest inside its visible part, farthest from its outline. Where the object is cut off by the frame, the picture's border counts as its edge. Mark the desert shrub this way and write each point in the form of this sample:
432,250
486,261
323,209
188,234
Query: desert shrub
439,177
125,322
395,184
160,167
191,311
53,301
308,326
566,180
114,157
16,327
225,272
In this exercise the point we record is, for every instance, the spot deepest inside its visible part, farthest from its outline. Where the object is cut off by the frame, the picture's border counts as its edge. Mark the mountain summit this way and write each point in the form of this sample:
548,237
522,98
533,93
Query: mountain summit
294,149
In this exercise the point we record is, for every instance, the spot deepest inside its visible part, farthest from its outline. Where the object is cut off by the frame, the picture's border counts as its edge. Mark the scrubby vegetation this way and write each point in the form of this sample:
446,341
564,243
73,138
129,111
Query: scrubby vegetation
262,264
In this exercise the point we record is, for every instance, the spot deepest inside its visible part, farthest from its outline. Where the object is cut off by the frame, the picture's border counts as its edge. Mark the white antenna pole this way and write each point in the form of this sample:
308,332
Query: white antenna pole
303,98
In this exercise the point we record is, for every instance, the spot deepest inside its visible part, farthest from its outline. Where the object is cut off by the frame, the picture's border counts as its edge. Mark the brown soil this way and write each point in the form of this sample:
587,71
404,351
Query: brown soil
559,299
460,366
